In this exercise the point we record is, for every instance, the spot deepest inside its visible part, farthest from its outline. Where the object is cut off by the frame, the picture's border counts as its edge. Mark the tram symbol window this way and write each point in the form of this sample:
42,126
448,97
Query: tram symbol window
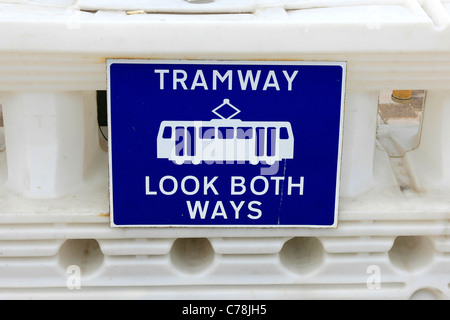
225,133
244,133
208,133
167,133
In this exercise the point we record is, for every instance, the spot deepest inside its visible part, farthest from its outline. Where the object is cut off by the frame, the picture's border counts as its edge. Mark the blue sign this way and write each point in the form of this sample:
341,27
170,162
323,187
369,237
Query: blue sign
225,143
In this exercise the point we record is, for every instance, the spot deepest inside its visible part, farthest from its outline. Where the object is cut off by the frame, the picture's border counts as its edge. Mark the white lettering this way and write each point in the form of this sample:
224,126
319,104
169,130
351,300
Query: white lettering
200,210
271,77
240,185
209,185
175,185
147,187
259,185
251,208
237,209
199,310
264,190
228,75
277,183
216,212
161,77
290,79
183,185
181,80
202,83
249,77
197,208
295,185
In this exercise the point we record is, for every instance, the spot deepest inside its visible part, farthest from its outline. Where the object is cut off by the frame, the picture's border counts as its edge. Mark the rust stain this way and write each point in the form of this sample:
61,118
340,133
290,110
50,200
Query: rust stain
104,215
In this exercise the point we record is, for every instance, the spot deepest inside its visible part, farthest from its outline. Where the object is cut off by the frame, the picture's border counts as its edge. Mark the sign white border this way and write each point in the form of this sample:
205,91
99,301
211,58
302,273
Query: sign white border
342,64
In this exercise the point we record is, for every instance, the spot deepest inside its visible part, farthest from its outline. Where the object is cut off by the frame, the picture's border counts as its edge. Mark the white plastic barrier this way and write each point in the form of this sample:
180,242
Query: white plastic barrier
49,135
54,207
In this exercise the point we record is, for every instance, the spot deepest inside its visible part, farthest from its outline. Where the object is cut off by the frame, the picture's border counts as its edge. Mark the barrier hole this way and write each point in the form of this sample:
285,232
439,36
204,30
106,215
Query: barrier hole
427,294
411,253
302,254
192,255
83,253
102,117
400,114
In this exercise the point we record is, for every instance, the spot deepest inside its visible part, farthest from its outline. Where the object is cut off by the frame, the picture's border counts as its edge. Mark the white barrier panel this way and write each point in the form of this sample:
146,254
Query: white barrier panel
430,162
359,142
50,138
390,242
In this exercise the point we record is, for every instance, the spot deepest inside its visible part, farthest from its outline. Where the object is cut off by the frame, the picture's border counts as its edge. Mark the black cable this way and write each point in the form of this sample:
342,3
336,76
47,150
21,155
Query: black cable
101,131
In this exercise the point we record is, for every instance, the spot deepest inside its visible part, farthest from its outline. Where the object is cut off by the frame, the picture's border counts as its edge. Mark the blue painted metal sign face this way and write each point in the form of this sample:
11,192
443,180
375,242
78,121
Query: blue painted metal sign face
222,143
